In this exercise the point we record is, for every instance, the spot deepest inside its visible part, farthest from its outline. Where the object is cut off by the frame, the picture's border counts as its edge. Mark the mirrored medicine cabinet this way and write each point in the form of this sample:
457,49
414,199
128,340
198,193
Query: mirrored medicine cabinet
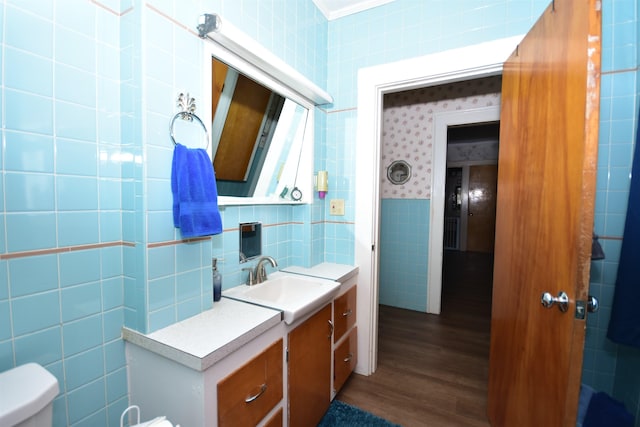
261,129
257,135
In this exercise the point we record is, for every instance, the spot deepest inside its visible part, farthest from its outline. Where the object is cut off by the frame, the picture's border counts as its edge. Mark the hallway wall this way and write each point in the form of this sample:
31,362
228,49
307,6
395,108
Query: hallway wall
408,134
404,245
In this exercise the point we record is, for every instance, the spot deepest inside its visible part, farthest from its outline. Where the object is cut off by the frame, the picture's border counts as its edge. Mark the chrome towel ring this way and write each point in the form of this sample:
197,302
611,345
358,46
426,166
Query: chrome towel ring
188,107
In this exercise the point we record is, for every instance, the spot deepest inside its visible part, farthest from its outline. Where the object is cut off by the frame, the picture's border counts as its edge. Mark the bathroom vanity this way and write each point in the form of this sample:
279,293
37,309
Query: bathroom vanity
242,364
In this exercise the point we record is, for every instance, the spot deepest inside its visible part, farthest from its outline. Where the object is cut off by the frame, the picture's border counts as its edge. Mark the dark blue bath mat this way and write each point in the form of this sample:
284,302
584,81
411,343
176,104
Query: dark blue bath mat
344,415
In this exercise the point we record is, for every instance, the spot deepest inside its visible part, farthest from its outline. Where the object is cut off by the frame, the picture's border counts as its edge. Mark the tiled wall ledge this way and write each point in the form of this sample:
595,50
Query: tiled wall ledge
177,242
332,222
39,252
204,238
609,237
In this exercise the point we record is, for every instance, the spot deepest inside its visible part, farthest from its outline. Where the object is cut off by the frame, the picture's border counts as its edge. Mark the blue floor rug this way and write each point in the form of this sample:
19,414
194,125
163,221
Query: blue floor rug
342,414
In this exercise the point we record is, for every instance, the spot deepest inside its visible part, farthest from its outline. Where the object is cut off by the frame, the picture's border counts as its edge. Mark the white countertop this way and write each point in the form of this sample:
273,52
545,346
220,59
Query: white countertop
326,270
202,340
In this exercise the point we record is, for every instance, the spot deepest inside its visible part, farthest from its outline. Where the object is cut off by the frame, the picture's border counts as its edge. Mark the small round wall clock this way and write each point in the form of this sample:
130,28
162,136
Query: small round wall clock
296,194
399,172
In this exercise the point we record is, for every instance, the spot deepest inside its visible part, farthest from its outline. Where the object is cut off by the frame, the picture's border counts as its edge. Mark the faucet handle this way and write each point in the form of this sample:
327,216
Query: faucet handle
250,279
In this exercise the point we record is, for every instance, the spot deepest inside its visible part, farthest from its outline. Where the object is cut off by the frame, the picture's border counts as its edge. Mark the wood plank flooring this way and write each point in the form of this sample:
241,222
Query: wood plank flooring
433,370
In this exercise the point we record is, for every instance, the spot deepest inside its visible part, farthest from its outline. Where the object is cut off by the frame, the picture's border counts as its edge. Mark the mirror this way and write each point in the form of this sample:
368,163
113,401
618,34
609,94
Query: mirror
274,164
256,136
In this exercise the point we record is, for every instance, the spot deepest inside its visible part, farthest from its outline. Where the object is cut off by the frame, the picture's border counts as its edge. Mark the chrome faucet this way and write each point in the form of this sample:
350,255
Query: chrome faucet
260,273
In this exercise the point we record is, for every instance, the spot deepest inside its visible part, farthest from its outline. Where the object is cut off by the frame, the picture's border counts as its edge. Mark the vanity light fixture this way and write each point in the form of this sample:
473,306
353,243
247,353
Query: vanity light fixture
212,26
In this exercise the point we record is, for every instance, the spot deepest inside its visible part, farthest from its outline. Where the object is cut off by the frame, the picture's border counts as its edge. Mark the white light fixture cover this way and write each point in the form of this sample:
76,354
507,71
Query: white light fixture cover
213,27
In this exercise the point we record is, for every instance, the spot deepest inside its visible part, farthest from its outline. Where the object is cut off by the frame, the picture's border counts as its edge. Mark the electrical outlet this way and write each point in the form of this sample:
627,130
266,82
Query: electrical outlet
336,207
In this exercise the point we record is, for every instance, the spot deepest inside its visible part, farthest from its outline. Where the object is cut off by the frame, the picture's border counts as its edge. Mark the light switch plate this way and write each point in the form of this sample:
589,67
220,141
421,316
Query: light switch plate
336,207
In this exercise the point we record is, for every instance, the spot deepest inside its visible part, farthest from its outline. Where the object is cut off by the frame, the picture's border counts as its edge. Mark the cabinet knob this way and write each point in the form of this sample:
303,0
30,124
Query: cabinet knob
330,329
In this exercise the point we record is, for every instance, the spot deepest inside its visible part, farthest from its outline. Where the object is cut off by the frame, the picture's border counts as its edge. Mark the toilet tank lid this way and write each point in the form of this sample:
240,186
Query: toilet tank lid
24,391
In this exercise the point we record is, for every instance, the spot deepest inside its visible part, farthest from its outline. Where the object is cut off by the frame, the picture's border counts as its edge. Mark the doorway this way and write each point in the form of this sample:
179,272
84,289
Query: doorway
471,187
482,60
469,217
408,207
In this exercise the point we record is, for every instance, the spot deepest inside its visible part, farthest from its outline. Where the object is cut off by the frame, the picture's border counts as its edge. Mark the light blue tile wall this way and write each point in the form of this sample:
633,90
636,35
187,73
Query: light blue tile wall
61,187
607,366
130,139
86,161
404,241
626,382
175,281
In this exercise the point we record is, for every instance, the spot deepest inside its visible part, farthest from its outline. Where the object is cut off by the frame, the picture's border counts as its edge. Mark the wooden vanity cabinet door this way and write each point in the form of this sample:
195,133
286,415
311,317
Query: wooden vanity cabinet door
235,392
310,369
344,313
276,420
345,357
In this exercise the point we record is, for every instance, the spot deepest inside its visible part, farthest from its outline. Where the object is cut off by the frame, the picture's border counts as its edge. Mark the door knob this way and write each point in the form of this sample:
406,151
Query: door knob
562,300
593,304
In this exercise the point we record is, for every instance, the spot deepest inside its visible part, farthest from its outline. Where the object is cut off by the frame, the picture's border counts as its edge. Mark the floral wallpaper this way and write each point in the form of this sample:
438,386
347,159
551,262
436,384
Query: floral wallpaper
407,129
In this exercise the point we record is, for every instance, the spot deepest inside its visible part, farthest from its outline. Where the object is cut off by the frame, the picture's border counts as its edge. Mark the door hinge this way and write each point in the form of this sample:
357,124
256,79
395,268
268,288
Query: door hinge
286,355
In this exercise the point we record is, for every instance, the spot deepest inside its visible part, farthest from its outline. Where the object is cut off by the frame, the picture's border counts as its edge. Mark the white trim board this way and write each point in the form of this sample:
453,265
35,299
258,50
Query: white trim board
469,62
441,123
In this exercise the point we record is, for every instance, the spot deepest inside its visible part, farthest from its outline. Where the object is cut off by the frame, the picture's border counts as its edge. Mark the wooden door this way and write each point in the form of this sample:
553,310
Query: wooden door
546,188
481,221
310,369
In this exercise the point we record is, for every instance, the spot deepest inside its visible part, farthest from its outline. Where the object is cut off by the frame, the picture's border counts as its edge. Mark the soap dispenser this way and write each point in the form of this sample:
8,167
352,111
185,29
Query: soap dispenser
217,280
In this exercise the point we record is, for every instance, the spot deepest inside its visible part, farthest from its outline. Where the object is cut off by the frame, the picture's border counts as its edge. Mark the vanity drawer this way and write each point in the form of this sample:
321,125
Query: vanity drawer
344,313
345,357
249,393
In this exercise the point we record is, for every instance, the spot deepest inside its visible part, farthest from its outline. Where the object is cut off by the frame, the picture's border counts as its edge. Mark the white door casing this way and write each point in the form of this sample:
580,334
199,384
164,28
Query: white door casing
481,60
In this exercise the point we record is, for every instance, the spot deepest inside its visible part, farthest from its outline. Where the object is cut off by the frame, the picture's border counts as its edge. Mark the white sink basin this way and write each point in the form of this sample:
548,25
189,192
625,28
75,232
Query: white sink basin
294,294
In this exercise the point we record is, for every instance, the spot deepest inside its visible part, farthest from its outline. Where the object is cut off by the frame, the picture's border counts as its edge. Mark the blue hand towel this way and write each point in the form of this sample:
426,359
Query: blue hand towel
195,195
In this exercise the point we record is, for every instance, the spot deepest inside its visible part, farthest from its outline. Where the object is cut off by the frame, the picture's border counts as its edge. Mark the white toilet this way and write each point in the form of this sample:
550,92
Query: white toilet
26,396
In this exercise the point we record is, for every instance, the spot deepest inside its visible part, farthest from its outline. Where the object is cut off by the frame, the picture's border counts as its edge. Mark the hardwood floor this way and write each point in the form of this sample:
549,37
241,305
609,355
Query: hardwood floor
433,370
